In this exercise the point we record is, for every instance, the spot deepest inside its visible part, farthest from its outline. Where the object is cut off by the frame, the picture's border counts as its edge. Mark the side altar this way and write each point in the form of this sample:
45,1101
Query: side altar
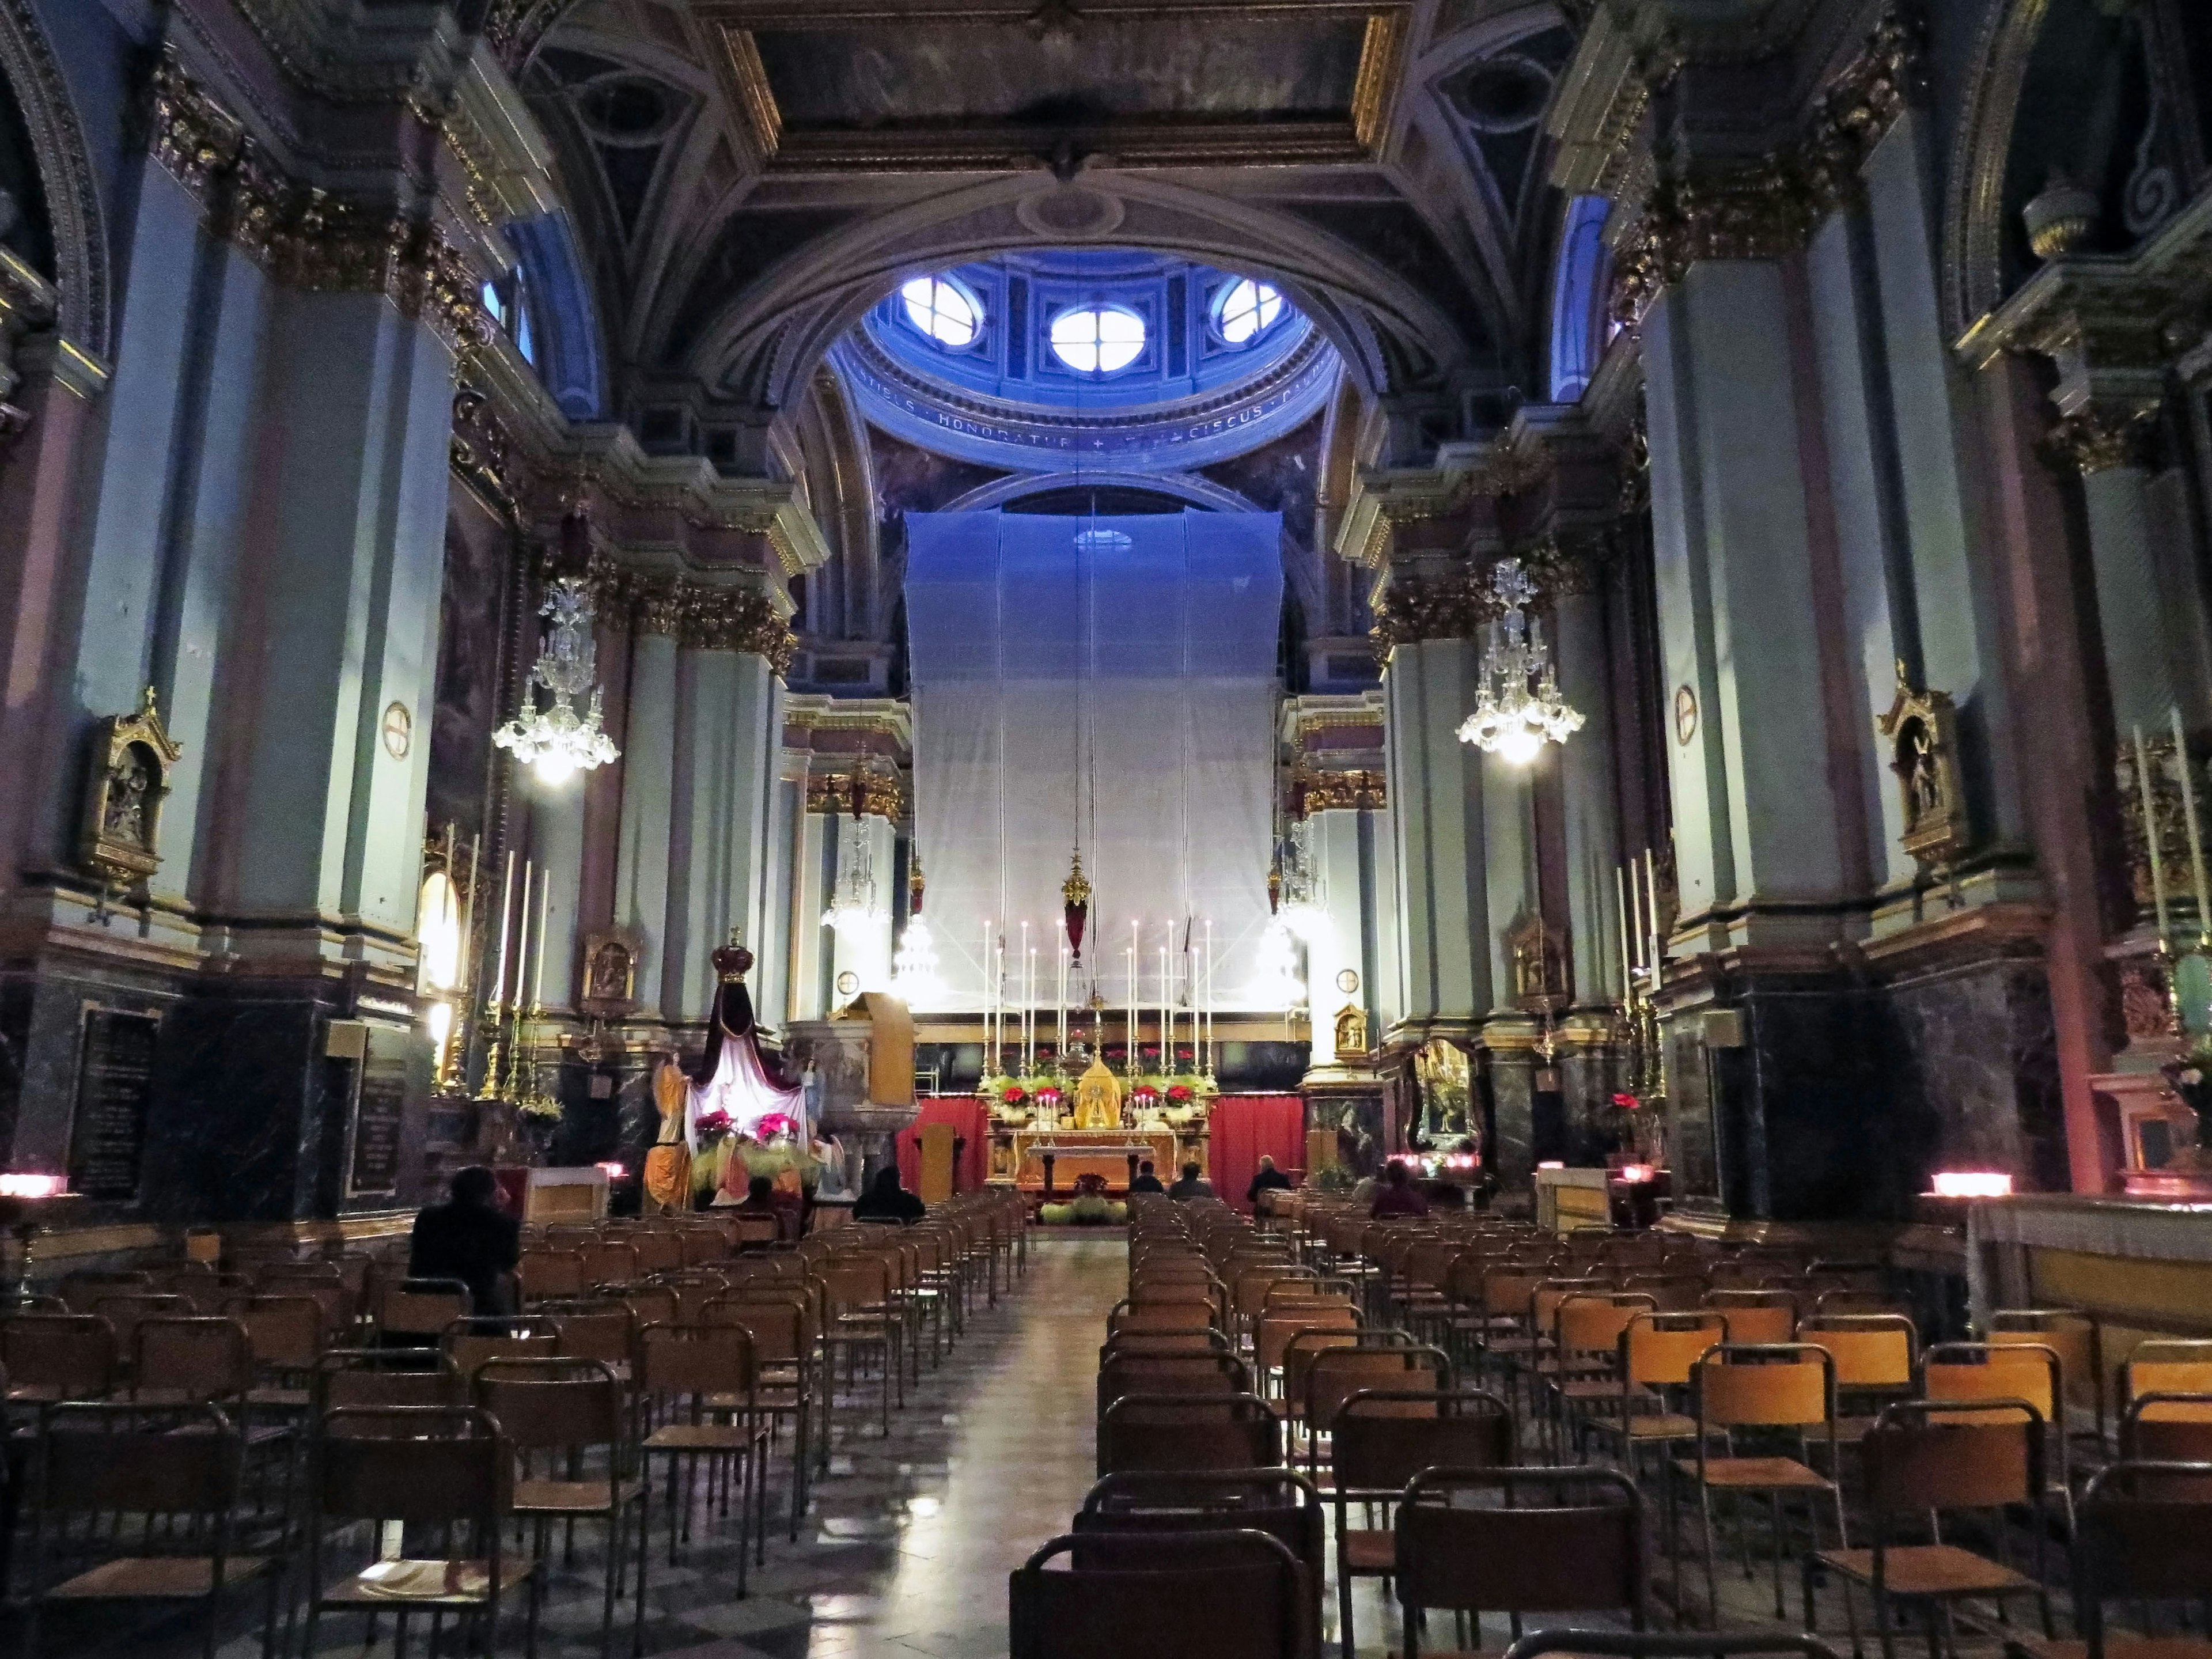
1042,1142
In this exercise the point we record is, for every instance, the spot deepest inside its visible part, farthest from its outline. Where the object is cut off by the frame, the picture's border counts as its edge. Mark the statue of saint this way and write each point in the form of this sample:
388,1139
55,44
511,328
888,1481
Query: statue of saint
668,1162
1098,1098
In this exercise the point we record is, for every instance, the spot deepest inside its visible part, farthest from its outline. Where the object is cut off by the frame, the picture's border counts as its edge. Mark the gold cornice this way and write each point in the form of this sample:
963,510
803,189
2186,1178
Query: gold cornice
832,794
755,98
1315,790
1375,87
1411,609
306,237
735,619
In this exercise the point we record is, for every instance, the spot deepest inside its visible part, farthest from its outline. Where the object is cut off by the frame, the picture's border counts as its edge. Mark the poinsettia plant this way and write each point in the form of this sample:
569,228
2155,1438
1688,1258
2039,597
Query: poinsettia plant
1627,1103
1180,1094
776,1126
1047,1095
1013,1094
712,1124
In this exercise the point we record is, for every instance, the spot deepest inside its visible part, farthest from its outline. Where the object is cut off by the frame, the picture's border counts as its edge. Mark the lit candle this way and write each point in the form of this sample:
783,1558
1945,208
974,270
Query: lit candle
1632,924
1208,1042
1621,906
1028,1002
983,975
544,921
1167,1032
1132,958
2195,837
2151,834
522,934
1652,894
506,926
463,975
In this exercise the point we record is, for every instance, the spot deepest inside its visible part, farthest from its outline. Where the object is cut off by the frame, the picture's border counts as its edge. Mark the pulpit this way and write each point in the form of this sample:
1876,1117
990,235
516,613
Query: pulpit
862,1068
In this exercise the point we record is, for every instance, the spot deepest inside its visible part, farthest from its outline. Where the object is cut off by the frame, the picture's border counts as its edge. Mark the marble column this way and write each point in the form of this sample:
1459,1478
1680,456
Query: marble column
787,806
1438,825
814,846
1334,841
1508,1034
557,846
1590,815
648,766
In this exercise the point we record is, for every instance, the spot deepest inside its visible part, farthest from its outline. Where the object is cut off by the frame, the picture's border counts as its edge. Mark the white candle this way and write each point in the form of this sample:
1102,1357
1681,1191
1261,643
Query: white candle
2151,834
506,925
1029,1001
1651,893
1132,959
1620,909
1206,1041
2196,836
544,921
1167,1057
522,933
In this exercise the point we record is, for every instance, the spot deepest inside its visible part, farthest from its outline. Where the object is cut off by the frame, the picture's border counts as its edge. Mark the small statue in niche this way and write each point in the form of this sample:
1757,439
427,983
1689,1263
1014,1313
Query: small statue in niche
120,835
611,974
1922,729
1539,980
1351,1030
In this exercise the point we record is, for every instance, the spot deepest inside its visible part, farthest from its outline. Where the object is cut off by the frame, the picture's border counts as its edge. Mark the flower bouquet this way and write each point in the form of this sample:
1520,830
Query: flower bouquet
712,1125
776,1127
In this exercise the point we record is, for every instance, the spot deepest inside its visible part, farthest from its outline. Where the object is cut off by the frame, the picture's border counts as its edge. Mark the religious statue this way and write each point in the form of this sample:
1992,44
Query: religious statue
1351,1030
1098,1098
733,1085
1922,729
668,1161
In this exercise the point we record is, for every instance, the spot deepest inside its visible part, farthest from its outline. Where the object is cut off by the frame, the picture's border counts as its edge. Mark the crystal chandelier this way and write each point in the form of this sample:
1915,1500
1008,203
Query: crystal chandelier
1519,707
855,907
556,740
914,969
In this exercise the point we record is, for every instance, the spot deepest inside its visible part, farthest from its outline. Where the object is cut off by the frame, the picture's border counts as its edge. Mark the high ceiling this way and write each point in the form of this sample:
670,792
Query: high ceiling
747,177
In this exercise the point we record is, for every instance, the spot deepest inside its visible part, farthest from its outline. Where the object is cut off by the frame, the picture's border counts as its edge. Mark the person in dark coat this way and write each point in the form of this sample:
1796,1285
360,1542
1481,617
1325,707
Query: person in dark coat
886,1200
1400,1198
469,1238
1193,1185
1268,1180
1146,1181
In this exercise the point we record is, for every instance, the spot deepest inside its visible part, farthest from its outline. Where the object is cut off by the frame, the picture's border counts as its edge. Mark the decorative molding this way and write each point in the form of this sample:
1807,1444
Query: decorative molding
66,177
1315,790
660,609
119,832
735,619
304,237
27,302
1416,608
482,452
1973,206
1375,87
1568,564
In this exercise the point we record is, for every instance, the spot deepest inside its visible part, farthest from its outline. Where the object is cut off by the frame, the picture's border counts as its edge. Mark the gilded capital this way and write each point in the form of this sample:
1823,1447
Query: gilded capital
2093,440
660,608
736,619
1565,564
1415,608
862,792
1316,790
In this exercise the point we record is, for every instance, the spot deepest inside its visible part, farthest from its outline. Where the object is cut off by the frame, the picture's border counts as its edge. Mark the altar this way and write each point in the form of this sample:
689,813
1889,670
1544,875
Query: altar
1052,1160
1038,1145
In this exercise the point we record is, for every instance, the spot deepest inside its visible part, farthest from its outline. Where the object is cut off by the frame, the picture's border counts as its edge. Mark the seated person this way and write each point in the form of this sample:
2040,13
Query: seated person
1268,1180
1399,1197
760,1200
886,1200
1192,1185
469,1238
1146,1181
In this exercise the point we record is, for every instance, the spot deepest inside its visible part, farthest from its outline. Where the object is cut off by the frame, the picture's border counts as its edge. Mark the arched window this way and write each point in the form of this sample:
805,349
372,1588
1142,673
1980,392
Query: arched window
1098,339
942,311
1580,291
508,307
1245,309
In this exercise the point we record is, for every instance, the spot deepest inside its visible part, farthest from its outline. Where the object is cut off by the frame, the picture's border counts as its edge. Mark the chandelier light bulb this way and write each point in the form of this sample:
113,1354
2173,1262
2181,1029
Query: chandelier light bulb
556,741
1518,707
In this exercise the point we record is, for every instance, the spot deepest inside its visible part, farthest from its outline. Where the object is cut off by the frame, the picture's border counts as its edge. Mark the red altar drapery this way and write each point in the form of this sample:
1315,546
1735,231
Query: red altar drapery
965,1114
1242,1128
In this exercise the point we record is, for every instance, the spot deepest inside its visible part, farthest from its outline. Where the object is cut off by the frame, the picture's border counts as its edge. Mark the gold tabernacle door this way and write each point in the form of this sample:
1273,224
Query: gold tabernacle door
1098,1098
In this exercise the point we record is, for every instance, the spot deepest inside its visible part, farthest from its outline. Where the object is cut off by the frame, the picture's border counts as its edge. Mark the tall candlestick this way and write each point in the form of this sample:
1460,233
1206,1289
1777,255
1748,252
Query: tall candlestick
1131,956
1061,997
1167,1059
983,1001
1620,907
1635,927
465,964
544,921
522,934
1029,1001
2151,834
2196,836
505,927
1206,1043
1652,894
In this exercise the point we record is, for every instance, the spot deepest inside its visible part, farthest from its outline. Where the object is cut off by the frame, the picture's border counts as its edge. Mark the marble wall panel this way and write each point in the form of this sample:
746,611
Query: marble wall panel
1980,1050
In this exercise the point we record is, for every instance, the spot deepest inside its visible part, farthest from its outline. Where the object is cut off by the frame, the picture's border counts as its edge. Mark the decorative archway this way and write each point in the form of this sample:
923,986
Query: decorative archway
79,230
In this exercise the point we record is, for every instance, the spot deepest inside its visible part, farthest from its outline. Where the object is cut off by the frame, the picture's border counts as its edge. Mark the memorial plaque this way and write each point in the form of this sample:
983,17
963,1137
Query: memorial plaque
380,1116
114,1075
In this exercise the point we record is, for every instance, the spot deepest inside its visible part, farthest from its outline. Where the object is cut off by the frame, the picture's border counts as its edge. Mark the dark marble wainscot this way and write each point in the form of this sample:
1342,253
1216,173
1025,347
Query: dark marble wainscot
43,1014
1589,1075
1510,1155
1979,1053
253,1112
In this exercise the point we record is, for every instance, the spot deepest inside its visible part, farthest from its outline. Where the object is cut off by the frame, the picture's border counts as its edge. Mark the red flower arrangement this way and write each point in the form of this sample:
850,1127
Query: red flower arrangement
1626,1102
1145,1092
1013,1094
1180,1093
716,1122
775,1124
1047,1095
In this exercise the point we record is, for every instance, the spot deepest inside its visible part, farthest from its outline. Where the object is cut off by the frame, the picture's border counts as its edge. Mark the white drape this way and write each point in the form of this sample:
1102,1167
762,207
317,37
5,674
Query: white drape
1139,652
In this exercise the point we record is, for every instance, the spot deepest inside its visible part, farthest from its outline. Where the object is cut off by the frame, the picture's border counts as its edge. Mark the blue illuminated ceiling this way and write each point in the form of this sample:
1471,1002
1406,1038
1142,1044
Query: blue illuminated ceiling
999,394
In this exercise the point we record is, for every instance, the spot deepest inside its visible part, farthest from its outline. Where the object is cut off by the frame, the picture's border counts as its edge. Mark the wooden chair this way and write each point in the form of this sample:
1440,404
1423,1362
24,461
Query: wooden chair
783,1326
1583,1364
52,1357
546,1273
1189,1433
96,1460
414,1313
2167,1428
702,1382
2033,1372
383,1379
123,1311
1380,1440
2078,1338
1210,1372
567,1409
1227,1594
595,1328
1756,1316
1924,1459
285,1336
470,1343
1659,1355
609,1264
2141,1535
1273,1501
446,1472
1764,1389
1877,1359
83,1287
1562,1556
863,1317
1379,1360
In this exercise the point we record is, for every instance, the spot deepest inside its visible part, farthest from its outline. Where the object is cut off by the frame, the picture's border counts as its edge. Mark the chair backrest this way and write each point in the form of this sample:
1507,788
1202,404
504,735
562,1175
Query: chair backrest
1207,1372
1529,1556
1207,1340
370,1379
99,1458
1661,1350
58,1356
694,1361
2164,1366
546,1405
1227,1594
470,1343
780,1322
1981,1371
608,1262
1279,1325
2140,1534
1161,1314
197,1359
1768,1316
425,1464
853,1280
693,1290
2076,1337
1924,1457
1766,1386
1336,1374
124,1312
420,1308
80,1289
2169,1428
598,1329
546,1273
285,1331
1380,1438
1189,1431
658,1252
1592,1323
1670,1292
1871,1350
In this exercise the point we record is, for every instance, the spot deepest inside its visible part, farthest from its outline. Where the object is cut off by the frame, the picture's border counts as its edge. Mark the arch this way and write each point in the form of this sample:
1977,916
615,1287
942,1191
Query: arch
73,205
1184,486
1578,297
1973,203
565,319
763,344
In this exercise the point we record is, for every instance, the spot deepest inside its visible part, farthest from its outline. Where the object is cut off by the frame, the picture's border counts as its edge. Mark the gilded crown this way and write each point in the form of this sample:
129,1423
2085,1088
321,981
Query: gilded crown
733,962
